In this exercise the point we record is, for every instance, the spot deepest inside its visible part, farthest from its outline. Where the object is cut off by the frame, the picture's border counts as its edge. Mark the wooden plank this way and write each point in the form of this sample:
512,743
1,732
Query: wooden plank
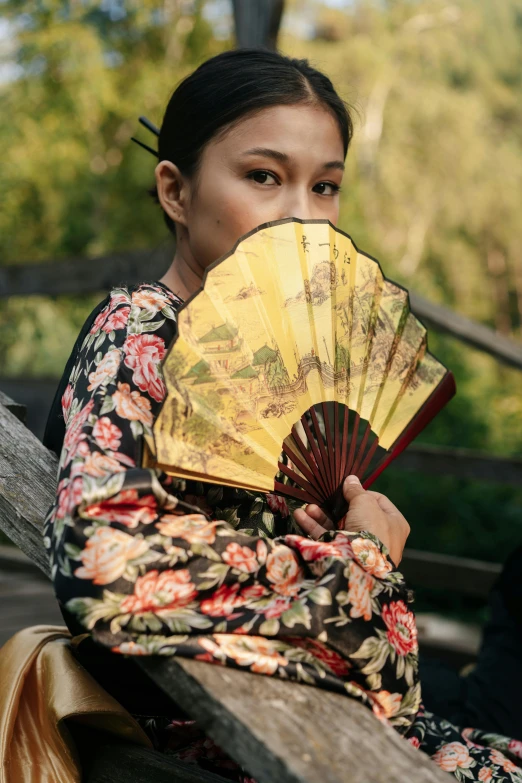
288,732
462,574
438,633
461,463
504,349
27,483
35,395
13,561
19,410
84,275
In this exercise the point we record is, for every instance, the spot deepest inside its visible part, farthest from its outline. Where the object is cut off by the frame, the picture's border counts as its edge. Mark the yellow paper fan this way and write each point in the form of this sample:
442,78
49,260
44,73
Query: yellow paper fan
296,364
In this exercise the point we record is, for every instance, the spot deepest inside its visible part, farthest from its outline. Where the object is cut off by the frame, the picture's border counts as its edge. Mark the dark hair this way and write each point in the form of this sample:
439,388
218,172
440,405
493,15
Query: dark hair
232,85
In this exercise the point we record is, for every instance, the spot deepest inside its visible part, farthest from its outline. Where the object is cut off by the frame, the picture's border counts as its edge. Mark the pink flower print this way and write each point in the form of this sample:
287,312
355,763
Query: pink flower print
117,320
67,399
74,432
106,434
143,353
99,320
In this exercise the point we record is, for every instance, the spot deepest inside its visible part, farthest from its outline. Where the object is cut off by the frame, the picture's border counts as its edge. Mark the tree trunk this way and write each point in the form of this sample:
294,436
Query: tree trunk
257,22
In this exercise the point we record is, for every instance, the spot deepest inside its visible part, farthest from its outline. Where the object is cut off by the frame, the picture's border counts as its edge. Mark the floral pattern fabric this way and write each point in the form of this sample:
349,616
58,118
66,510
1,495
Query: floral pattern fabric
154,565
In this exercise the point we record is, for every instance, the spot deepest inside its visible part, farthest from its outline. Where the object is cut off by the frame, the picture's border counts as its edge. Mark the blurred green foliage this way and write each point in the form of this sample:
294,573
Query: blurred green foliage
433,187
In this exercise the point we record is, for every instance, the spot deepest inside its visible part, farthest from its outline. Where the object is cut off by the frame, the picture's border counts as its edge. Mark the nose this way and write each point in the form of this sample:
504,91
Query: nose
297,204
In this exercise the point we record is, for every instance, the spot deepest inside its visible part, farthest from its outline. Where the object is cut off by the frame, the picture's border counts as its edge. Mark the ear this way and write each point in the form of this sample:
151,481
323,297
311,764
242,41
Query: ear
173,191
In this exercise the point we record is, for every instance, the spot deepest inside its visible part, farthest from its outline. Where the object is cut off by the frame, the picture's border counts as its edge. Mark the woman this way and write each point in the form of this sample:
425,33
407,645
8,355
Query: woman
152,565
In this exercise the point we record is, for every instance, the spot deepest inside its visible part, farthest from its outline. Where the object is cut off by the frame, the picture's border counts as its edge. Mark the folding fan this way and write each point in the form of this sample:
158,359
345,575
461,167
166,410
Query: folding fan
296,364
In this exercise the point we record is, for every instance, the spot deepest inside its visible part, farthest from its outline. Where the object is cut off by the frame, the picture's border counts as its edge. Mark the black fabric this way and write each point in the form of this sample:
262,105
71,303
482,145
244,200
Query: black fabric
488,698
55,426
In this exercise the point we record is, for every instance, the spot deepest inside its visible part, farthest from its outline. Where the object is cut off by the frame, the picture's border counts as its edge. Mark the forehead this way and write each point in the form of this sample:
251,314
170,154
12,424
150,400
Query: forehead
299,131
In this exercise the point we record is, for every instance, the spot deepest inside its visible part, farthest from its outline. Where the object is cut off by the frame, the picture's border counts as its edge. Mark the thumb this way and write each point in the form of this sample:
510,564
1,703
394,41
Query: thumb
352,487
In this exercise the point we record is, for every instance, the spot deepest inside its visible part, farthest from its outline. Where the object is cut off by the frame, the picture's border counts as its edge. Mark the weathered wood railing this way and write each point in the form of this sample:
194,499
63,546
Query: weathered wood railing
82,276
280,731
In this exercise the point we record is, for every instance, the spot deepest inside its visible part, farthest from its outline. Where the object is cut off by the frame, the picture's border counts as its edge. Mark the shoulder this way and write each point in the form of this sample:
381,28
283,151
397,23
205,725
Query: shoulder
132,330
151,297
146,307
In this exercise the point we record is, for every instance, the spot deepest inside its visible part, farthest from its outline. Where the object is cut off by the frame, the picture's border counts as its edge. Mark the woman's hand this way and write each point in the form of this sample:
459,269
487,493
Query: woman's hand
368,510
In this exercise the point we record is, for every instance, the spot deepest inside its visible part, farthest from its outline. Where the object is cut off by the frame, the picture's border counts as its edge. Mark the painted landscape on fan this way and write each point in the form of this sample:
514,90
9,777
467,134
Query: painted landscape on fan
296,363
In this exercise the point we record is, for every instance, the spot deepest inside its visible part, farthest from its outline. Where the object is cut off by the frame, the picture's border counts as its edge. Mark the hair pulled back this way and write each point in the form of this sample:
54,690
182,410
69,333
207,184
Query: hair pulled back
232,85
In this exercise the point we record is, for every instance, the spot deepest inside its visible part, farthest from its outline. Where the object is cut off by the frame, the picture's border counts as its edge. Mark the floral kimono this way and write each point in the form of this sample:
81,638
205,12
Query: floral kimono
153,565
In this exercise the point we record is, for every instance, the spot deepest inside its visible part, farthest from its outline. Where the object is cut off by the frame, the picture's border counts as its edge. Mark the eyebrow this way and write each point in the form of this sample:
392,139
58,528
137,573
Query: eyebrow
282,157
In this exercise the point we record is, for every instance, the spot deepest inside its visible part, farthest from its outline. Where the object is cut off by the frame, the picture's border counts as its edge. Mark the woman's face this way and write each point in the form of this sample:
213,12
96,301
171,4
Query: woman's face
284,161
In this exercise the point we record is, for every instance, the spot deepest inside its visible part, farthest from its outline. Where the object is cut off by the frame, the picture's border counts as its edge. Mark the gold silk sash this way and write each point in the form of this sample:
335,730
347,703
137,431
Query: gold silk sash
42,686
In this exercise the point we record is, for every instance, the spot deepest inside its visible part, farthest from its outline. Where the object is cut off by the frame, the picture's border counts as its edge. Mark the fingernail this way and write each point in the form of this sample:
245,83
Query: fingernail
351,480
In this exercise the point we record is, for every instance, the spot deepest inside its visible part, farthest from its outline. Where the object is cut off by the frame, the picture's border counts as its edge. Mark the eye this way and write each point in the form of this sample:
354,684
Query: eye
322,188
260,176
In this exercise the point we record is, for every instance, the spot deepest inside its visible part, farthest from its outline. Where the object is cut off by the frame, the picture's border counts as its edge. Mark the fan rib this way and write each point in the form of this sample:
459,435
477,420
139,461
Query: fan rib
322,449
336,443
308,474
317,455
360,451
303,483
344,443
368,458
353,443
331,453
286,489
310,459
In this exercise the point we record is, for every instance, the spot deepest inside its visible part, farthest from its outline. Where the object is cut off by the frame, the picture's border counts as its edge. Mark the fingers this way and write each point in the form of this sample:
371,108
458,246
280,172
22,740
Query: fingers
319,516
308,524
384,503
352,487
314,511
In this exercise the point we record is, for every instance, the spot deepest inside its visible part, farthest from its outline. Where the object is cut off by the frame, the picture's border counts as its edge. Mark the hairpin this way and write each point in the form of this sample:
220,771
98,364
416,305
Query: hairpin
153,129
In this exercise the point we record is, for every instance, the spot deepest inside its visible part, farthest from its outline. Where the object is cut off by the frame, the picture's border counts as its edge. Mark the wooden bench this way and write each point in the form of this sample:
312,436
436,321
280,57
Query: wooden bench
282,732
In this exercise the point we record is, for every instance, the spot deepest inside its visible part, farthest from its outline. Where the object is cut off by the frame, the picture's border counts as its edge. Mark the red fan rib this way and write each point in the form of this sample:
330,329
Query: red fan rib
353,444
308,474
336,443
322,449
362,447
344,443
317,455
310,457
368,458
303,483
331,454
295,492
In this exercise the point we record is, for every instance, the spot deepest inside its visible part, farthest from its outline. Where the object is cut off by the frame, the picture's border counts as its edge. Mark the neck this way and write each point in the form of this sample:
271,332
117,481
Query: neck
184,275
